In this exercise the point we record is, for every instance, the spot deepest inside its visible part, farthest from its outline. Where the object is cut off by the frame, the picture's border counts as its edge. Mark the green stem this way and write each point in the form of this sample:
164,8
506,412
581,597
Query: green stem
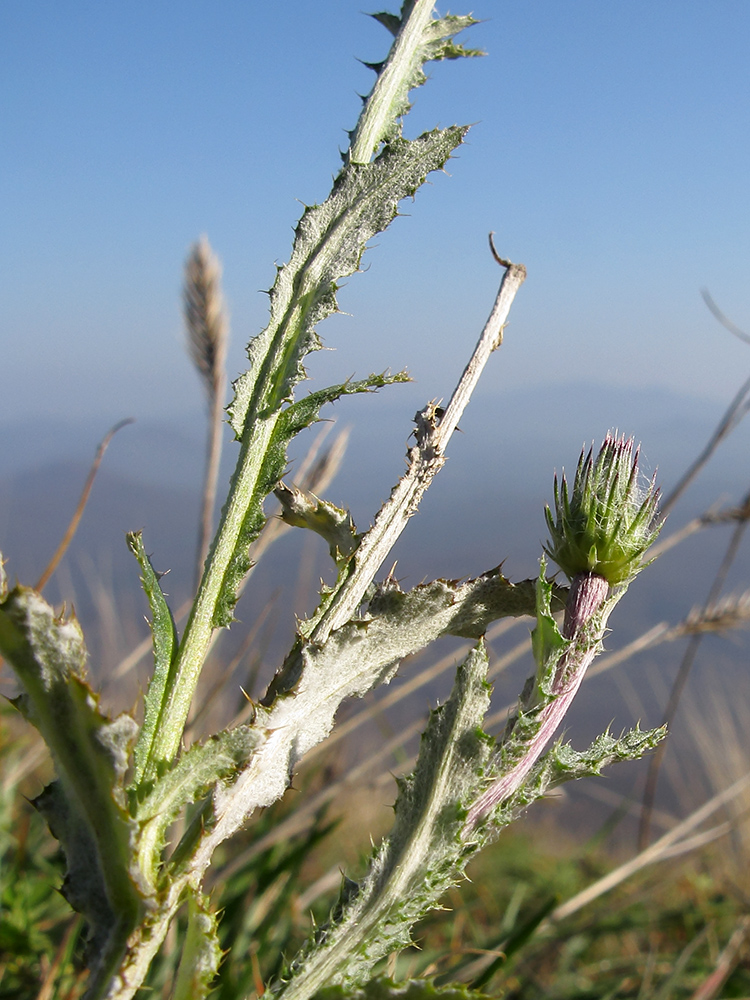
378,112
185,671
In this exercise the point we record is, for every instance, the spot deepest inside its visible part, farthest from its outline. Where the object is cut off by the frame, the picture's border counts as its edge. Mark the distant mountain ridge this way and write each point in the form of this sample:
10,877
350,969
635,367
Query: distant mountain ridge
485,506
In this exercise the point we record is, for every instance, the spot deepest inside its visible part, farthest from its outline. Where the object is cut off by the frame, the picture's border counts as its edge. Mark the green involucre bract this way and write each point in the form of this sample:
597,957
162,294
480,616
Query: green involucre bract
609,521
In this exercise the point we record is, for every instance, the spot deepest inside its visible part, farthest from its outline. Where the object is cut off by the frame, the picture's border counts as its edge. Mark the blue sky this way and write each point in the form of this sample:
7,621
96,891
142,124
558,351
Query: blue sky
610,154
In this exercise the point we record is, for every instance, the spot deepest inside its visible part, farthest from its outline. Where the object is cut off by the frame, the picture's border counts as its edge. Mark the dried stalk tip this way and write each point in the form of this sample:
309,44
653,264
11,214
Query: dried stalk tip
609,521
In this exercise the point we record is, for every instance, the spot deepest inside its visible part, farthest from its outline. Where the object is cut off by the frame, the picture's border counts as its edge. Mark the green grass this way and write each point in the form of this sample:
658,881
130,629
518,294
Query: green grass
629,943
38,932
660,934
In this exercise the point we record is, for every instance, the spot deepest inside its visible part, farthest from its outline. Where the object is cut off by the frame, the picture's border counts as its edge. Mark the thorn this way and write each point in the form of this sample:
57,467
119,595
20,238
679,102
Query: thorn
376,67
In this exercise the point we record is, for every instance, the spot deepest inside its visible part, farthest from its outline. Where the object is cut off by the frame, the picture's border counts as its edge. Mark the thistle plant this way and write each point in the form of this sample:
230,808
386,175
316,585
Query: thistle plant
598,537
121,784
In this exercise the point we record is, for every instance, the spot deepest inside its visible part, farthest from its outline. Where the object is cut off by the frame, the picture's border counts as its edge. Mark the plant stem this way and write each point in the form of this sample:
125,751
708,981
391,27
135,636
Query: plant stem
378,112
426,459
213,461
186,669
588,592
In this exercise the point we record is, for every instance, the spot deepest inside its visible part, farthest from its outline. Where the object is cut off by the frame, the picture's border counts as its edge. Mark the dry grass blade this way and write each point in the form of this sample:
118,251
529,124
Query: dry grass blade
660,850
49,987
726,962
736,411
718,723
207,336
652,776
75,520
734,414
724,320
712,517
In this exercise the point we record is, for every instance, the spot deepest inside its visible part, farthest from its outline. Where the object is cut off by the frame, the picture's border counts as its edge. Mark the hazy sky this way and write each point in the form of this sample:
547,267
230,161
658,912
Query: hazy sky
610,154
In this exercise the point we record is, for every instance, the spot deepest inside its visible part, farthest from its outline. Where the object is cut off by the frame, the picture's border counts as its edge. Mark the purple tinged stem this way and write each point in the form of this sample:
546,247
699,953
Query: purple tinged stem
587,593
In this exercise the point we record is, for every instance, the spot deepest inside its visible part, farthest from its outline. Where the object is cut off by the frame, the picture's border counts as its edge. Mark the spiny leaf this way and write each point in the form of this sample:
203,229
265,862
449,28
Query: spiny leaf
567,764
86,806
292,420
562,763
392,22
419,38
335,525
424,854
165,643
329,242
386,989
399,623
197,772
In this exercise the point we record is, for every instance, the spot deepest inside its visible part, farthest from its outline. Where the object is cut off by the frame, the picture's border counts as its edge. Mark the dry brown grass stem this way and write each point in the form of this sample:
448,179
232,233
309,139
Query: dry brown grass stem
731,419
734,414
726,961
599,792
207,329
722,318
654,764
718,724
678,840
15,768
75,520
49,986
715,516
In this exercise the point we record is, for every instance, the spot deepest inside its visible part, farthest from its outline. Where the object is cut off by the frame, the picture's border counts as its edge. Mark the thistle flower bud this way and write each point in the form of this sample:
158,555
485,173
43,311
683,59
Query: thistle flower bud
610,519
